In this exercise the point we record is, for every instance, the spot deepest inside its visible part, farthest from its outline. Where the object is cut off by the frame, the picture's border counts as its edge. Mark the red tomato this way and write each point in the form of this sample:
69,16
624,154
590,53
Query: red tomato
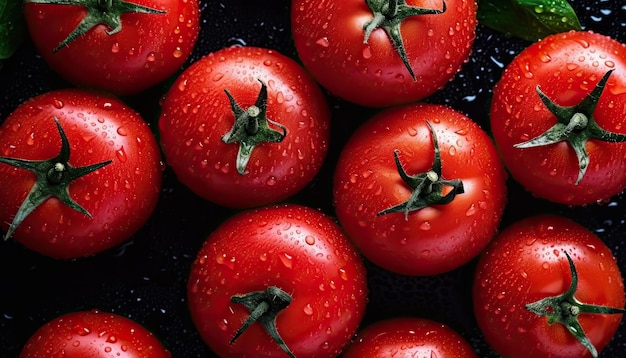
314,276
526,263
447,225
123,46
93,334
238,100
408,337
557,84
330,38
119,191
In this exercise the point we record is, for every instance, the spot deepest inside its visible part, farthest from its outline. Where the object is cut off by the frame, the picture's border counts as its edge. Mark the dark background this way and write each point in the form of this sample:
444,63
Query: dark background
144,279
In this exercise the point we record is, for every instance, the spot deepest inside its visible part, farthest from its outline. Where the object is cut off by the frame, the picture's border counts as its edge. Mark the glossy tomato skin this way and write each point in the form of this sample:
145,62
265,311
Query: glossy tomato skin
329,35
148,49
196,114
296,248
120,196
566,66
93,334
526,263
435,239
408,337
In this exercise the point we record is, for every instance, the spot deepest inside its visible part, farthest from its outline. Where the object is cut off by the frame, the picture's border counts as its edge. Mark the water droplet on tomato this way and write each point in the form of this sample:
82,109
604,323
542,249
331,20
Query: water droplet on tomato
115,48
309,240
177,52
286,260
367,52
308,310
322,41
121,155
57,103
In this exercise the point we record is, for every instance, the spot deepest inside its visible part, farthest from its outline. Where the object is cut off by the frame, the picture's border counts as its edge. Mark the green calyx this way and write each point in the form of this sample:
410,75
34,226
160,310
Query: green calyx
252,128
575,125
99,12
388,15
565,308
428,187
264,307
54,177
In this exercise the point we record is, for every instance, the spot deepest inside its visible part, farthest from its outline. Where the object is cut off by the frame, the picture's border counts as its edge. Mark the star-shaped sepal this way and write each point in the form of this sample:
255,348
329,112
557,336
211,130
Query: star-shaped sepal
388,15
264,307
252,128
576,125
53,179
565,309
99,12
428,187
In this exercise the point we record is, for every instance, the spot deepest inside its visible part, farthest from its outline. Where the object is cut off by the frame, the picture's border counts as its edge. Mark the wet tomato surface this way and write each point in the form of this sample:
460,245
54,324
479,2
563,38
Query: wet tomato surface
146,277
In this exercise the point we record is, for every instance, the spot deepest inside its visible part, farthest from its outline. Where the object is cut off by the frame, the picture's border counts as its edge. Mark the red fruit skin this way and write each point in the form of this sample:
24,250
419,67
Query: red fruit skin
120,197
93,334
295,248
567,67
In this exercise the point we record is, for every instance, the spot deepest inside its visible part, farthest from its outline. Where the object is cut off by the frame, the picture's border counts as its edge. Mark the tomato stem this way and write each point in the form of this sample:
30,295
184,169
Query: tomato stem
99,12
565,308
427,187
251,128
53,178
576,125
264,307
389,15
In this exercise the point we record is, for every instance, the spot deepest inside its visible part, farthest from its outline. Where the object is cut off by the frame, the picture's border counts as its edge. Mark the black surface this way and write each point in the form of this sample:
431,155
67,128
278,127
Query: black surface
145,278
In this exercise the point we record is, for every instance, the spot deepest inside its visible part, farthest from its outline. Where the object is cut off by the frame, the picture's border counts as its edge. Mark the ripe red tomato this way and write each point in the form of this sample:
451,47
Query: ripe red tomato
348,47
447,206
108,167
123,46
93,334
408,337
245,126
295,260
557,117
528,262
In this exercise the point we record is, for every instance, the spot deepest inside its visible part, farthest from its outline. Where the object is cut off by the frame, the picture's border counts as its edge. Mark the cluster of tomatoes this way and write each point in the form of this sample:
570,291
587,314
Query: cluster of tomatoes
314,170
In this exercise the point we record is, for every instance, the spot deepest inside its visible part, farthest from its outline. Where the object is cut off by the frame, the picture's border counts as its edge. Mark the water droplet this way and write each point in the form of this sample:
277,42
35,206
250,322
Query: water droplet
177,52
322,41
308,310
151,57
286,260
121,155
115,48
367,52
309,240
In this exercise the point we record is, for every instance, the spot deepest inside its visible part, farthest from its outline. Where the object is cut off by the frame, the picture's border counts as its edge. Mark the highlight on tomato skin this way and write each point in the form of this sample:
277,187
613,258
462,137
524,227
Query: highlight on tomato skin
408,337
557,118
288,252
527,263
81,171
93,334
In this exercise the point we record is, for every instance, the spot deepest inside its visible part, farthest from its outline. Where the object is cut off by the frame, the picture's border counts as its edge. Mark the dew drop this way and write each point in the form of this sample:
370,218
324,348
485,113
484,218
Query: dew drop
121,155
286,260
322,41
308,310
309,240
115,48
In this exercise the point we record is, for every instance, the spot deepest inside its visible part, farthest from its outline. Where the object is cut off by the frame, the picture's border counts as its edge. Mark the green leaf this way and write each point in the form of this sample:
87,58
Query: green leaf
530,20
12,27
